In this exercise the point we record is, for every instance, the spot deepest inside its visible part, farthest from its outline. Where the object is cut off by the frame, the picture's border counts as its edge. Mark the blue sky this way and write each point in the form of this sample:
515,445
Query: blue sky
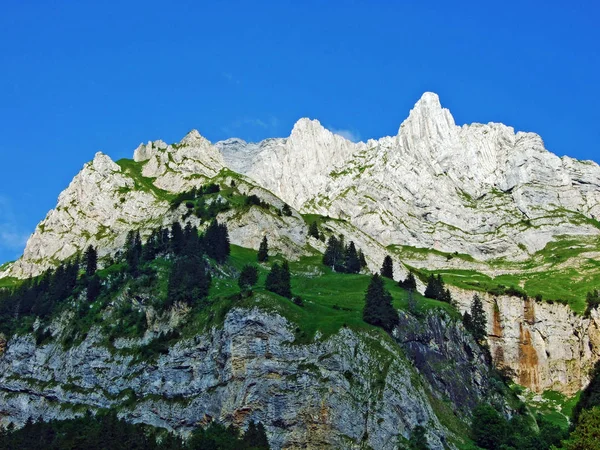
78,77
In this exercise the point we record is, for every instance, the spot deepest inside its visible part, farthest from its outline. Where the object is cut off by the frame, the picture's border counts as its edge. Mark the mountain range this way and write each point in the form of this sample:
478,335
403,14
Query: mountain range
487,208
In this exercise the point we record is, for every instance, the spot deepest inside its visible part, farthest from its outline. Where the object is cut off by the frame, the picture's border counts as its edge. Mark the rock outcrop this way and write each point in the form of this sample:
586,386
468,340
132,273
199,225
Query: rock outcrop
347,391
469,189
541,345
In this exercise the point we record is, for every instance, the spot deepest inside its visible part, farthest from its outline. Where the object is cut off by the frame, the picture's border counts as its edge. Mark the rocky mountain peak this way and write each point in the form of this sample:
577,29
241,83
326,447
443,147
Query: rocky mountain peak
194,138
308,127
428,119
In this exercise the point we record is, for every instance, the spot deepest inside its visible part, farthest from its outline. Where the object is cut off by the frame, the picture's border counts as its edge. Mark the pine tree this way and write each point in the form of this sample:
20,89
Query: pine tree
93,288
362,259
255,437
189,280
333,256
133,252
387,269
412,302
263,250
177,238
352,264
447,296
278,280
216,241
286,280
313,230
478,319
286,210
435,288
378,308
91,261
466,320
248,277
410,283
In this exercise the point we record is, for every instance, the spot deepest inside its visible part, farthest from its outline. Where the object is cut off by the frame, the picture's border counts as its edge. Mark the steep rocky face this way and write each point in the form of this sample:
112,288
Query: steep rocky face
436,185
544,346
179,167
345,391
98,208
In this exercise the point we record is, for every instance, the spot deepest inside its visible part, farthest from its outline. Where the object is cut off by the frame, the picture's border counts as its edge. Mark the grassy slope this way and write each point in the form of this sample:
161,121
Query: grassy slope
559,272
321,290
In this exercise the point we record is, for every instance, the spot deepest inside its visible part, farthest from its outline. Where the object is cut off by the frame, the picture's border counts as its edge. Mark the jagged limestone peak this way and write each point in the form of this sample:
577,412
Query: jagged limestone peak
194,138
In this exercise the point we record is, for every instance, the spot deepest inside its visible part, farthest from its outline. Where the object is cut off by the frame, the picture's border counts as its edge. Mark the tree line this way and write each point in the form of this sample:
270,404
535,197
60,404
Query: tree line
106,431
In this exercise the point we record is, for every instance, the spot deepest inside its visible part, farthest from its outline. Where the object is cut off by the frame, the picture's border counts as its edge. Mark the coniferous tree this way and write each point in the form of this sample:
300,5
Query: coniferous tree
91,261
286,280
352,264
248,277
286,210
189,280
216,241
478,319
334,254
412,302
278,280
466,320
263,250
313,230
362,259
435,288
177,238
93,288
387,269
378,309
430,289
133,251
410,283
255,437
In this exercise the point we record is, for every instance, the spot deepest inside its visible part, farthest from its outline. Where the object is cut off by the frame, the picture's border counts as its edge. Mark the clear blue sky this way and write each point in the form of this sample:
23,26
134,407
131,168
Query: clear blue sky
78,77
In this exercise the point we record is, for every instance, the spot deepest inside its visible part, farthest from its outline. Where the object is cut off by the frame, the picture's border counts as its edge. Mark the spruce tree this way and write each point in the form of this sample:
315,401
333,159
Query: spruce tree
378,309
216,241
255,437
410,283
93,288
362,259
189,280
333,256
278,280
478,319
263,250
177,238
352,264
248,277
387,269
91,261
435,289
313,230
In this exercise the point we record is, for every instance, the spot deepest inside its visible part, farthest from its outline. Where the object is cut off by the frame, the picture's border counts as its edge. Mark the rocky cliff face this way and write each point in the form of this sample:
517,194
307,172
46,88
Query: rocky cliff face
435,184
345,391
544,346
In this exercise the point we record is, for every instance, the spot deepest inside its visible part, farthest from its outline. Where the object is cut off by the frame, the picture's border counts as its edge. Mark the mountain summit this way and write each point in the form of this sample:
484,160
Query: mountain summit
467,189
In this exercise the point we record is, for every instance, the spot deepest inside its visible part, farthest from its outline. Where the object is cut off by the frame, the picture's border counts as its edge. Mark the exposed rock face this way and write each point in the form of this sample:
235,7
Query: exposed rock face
545,346
180,167
343,392
98,208
434,185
